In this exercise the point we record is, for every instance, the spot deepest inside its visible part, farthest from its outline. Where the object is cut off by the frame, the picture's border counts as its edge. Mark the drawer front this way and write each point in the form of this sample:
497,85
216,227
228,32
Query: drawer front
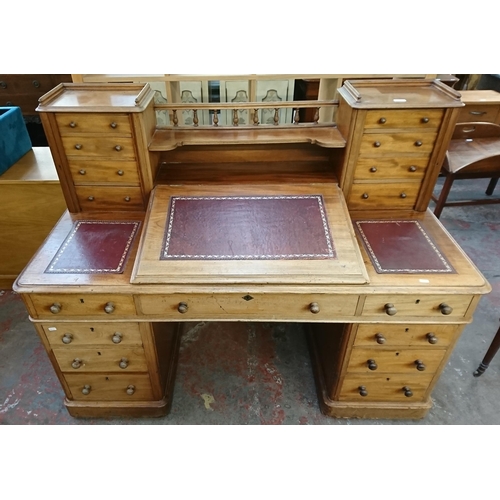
427,307
83,334
479,113
426,119
24,84
71,305
392,388
406,142
410,361
380,169
116,148
27,102
112,387
116,172
105,359
379,196
428,336
93,123
241,306
109,198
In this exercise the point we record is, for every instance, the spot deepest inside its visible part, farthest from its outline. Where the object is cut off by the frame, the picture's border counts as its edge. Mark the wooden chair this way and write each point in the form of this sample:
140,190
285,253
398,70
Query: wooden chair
473,153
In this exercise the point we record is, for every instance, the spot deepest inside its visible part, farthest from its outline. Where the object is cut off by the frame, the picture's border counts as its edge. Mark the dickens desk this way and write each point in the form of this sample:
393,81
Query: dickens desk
321,223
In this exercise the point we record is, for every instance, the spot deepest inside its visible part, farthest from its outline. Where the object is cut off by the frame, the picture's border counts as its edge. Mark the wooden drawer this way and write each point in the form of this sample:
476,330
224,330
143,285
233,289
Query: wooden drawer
116,148
27,102
109,198
380,169
71,305
428,336
241,306
379,196
88,333
25,84
479,113
395,143
411,361
93,123
101,359
110,387
94,171
426,119
427,307
388,387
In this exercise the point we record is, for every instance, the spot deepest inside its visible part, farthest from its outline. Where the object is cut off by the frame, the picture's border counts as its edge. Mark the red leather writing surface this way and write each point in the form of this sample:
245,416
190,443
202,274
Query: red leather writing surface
247,227
95,247
401,247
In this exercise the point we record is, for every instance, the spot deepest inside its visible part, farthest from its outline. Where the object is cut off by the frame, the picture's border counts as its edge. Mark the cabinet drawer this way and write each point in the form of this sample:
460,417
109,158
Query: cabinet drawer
411,361
112,387
379,169
94,171
389,387
426,119
407,142
109,198
25,84
101,359
93,123
479,113
70,305
241,306
379,196
428,336
425,306
117,148
82,334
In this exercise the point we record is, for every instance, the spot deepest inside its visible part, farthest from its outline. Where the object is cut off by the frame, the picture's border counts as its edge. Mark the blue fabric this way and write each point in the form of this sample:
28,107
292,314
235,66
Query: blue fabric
15,141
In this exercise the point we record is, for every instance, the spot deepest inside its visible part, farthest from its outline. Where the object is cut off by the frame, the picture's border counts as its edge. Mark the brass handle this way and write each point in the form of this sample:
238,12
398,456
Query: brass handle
408,392
476,113
445,309
113,125
77,362
372,365
390,309
364,196
82,172
72,124
120,172
182,307
379,337
86,390
377,144
418,143
36,84
412,168
117,338
425,119
91,198
67,338
127,198
362,391
123,363
9,103
78,146
420,365
373,169
55,308
314,307
130,390
431,338
118,148
109,308
3,84
402,195
382,120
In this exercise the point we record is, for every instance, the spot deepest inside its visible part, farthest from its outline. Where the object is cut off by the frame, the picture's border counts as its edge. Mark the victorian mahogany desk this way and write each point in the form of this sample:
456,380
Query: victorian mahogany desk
325,224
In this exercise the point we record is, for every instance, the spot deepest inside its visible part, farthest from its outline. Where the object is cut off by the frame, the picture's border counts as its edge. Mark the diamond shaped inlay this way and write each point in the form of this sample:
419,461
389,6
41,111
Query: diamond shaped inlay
247,297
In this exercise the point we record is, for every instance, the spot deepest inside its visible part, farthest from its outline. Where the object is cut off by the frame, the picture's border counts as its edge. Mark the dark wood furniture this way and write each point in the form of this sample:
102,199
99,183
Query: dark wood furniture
490,354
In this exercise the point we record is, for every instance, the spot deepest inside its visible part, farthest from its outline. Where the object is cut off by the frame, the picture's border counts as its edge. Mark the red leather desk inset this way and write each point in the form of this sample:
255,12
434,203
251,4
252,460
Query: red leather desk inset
401,247
247,227
94,247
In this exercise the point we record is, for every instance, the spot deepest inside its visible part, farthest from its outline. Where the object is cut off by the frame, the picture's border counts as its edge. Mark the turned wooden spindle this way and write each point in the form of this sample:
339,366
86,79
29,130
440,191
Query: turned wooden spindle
195,117
316,116
235,117
296,116
216,118
175,118
276,116
255,116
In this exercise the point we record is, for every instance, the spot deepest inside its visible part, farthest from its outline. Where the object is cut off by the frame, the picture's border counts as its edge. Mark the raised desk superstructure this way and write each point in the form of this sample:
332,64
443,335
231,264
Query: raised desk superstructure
379,336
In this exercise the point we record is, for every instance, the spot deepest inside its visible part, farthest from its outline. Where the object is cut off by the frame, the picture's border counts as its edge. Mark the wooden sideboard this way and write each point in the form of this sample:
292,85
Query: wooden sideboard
253,223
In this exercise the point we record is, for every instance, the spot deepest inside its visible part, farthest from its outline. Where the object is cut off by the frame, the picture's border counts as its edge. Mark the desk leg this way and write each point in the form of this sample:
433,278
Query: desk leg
490,354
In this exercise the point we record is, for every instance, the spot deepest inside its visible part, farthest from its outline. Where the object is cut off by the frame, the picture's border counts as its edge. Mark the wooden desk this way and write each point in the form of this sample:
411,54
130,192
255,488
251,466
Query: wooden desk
480,106
31,202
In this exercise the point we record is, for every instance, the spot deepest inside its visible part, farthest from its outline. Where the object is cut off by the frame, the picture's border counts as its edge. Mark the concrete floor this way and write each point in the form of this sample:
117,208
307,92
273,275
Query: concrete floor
260,373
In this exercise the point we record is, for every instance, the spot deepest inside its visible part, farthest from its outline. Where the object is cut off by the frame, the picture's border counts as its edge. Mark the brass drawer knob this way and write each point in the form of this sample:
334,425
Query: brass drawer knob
425,119
117,338
373,169
364,196
130,390
123,363
82,172
36,84
314,307
420,365
445,309
418,143
9,103
362,391
55,308
390,309
78,146
3,84
412,168
118,148
67,338
408,392
120,172
402,195
77,362
91,198
182,307
377,144
109,308
127,198
379,337
86,390
431,338
72,124
113,125
382,120
372,365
